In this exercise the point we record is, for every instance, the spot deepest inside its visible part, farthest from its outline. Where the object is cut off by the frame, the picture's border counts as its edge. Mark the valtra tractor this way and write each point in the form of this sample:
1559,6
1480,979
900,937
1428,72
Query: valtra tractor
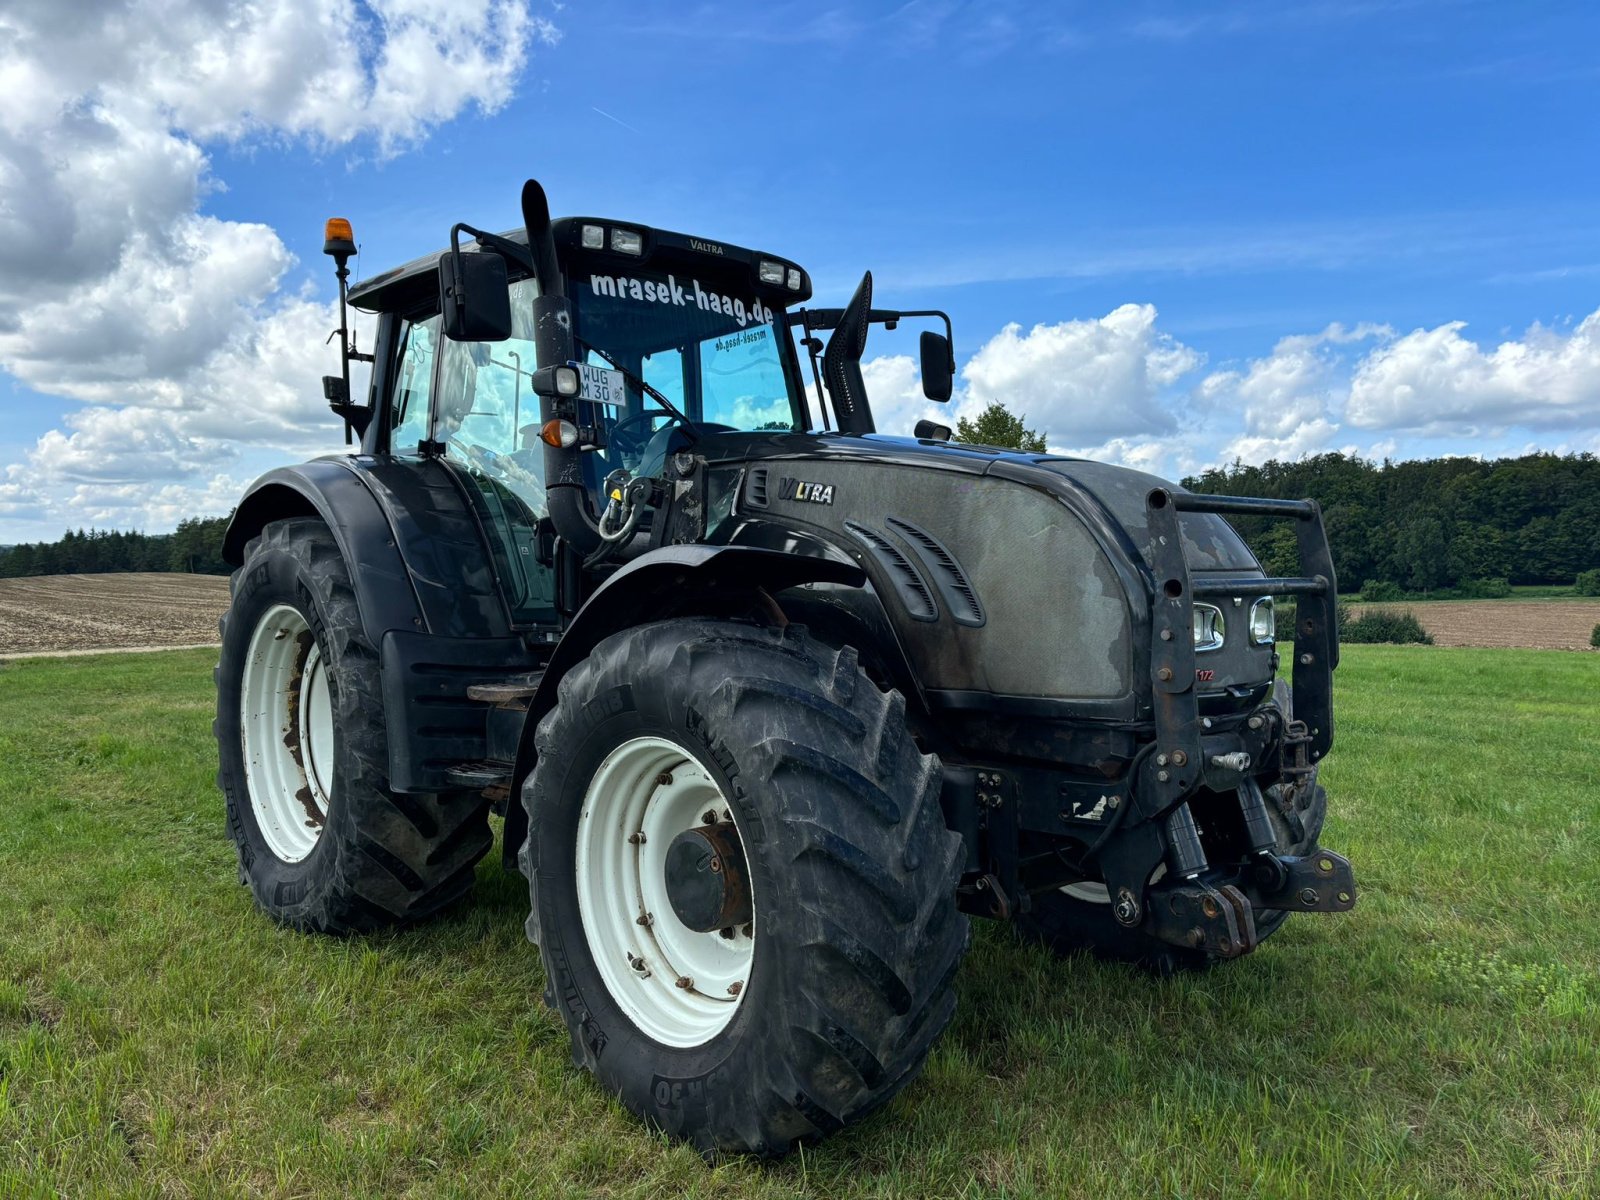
769,703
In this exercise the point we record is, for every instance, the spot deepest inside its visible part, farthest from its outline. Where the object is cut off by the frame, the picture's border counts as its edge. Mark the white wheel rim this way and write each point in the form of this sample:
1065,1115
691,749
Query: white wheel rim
653,787
286,729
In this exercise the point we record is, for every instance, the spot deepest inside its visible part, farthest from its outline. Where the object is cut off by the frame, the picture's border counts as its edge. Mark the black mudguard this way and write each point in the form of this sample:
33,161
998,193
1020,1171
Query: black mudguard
674,581
425,587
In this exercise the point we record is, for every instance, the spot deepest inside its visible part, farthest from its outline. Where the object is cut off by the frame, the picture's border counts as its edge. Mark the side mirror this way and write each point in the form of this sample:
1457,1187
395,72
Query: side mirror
938,366
474,294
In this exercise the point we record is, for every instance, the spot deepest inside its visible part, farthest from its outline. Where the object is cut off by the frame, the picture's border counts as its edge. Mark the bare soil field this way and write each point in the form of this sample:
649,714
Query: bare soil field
109,612
1530,624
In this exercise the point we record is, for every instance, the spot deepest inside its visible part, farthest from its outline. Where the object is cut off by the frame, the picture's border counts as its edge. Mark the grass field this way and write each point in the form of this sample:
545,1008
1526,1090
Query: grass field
158,1037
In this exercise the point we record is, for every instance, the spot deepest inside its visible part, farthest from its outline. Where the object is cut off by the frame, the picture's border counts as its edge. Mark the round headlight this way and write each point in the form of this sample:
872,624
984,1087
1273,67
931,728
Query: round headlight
1263,622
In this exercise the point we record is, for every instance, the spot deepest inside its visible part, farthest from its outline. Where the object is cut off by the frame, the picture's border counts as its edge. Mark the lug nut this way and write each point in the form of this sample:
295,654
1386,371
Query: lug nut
636,839
645,919
709,817
663,779
684,982
735,988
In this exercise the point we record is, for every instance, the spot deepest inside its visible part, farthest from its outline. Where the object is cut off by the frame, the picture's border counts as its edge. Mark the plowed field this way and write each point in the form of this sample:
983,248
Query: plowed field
1531,624
109,612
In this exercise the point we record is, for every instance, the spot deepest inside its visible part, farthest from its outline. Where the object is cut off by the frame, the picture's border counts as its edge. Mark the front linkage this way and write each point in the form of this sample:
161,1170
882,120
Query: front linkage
1135,825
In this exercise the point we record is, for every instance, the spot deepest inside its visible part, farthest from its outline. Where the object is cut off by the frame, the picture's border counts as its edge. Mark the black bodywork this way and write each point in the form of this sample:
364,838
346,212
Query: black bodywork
1036,612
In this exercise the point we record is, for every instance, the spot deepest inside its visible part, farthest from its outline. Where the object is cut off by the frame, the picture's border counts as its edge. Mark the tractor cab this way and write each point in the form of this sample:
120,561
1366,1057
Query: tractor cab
655,344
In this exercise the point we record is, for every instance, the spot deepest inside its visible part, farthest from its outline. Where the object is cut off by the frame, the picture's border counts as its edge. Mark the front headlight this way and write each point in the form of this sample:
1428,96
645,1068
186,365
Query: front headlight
1209,627
1263,622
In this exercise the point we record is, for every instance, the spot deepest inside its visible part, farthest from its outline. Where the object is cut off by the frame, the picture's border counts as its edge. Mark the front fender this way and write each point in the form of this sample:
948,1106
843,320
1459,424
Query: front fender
674,581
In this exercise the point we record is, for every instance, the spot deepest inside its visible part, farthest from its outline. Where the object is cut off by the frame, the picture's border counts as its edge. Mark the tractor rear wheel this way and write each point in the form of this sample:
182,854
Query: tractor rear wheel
323,843
743,889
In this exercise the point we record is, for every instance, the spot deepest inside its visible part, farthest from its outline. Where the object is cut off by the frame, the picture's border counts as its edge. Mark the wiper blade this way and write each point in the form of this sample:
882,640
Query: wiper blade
644,387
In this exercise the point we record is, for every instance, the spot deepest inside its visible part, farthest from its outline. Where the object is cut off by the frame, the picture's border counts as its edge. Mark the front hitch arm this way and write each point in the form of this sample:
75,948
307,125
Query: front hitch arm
1320,882
1219,920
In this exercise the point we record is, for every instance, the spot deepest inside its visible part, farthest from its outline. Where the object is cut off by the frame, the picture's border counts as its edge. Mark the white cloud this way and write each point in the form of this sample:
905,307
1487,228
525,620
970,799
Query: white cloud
1082,381
1288,400
1435,380
117,290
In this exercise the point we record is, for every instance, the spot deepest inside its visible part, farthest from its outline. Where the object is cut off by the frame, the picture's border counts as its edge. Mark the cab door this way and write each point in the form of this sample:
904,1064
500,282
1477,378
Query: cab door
486,417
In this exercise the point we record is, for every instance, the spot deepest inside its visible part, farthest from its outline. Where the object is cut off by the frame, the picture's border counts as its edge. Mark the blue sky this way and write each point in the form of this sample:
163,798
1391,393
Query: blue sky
1244,230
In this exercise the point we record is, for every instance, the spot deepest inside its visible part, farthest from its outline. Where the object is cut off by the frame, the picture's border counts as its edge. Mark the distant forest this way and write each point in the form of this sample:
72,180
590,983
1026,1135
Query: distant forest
1420,526
1431,524
196,548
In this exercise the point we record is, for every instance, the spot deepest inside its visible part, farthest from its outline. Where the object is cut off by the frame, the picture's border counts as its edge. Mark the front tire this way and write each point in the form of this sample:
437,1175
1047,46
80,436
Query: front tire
827,1003
323,844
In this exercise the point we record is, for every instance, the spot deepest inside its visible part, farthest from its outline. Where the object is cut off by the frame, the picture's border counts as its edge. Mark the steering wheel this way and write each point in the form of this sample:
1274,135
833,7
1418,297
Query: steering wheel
632,445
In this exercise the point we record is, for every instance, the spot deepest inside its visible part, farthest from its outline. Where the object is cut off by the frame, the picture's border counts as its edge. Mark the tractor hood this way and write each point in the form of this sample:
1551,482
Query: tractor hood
1209,542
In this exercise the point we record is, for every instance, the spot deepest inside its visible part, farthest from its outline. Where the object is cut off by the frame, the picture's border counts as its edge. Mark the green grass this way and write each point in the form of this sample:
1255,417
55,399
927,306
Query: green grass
160,1037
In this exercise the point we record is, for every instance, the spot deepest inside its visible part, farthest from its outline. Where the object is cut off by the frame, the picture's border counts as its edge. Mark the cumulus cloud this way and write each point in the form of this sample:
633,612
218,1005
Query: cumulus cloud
1287,401
1434,380
1117,389
1082,381
116,289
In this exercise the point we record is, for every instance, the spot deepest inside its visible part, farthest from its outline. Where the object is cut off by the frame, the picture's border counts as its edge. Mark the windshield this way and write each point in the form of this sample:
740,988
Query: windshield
711,347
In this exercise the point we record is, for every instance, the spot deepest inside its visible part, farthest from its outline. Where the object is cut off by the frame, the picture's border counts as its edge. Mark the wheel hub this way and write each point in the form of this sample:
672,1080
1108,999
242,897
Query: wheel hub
704,871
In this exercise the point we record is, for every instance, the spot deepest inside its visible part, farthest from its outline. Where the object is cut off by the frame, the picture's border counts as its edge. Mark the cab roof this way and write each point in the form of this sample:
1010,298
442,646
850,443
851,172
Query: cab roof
413,289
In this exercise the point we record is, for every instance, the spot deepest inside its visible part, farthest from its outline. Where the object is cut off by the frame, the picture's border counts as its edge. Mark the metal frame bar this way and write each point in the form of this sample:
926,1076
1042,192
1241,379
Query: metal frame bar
1176,769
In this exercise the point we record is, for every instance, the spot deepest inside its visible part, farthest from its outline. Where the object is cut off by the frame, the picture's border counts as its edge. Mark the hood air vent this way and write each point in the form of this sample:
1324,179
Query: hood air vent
755,490
908,582
953,583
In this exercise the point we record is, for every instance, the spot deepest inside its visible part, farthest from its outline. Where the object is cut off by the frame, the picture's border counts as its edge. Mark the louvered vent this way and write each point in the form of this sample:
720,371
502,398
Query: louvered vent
960,596
755,490
913,589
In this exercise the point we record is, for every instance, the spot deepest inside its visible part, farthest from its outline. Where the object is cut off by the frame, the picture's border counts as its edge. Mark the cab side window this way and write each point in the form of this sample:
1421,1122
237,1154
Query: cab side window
413,389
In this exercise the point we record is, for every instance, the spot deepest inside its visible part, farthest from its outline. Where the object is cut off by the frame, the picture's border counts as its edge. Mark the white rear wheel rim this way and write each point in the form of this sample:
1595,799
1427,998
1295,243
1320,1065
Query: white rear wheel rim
286,730
652,786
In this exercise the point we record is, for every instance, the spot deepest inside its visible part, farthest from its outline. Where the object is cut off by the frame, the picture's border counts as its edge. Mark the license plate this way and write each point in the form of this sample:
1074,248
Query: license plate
601,385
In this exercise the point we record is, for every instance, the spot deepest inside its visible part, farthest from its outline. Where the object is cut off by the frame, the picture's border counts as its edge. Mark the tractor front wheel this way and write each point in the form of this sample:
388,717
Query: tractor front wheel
743,888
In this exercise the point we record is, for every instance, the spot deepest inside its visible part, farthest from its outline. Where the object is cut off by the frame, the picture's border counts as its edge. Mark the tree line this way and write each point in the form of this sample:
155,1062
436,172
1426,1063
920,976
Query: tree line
1431,524
194,547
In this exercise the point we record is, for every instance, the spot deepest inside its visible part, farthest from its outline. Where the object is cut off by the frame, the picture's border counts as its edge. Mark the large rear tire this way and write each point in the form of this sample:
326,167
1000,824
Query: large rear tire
825,1004
323,843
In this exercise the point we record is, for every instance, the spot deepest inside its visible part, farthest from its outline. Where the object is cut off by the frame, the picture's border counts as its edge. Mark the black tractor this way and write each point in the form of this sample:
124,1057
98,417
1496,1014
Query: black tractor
769,703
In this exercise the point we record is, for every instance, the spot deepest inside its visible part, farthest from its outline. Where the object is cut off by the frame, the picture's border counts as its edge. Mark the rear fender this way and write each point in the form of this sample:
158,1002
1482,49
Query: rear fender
333,492
425,589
